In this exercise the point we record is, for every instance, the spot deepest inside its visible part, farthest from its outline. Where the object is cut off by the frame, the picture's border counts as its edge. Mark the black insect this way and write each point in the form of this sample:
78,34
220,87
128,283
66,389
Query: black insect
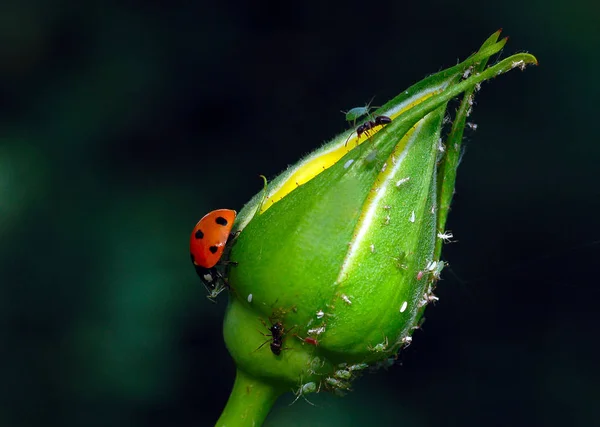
277,338
370,124
277,333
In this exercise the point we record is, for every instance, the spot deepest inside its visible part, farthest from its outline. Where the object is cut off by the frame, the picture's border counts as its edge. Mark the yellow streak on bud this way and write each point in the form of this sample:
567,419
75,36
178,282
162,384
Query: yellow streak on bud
318,164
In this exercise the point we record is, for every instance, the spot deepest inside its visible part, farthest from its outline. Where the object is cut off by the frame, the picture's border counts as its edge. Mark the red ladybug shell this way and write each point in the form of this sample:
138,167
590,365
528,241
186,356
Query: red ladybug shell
209,237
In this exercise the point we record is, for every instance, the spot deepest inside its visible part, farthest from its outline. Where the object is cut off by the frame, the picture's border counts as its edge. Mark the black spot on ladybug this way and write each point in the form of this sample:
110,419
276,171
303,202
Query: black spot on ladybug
221,221
199,234
213,249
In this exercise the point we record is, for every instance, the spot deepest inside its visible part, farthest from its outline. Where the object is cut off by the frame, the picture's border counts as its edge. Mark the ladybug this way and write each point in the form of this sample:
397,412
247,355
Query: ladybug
207,244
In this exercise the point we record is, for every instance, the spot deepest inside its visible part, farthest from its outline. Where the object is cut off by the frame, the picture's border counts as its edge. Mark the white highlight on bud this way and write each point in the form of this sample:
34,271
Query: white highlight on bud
403,307
249,297
369,216
402,181
348,163
412,216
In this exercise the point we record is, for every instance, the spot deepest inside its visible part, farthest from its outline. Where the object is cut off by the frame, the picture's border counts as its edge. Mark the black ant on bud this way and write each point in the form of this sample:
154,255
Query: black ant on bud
369,125
277,333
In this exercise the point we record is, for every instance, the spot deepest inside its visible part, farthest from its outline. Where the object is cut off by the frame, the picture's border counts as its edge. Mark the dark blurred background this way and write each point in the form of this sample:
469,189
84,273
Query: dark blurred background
122,124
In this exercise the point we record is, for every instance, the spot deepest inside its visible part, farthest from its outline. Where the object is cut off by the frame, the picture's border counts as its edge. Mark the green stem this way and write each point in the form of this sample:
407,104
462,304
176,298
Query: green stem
249,403
449,165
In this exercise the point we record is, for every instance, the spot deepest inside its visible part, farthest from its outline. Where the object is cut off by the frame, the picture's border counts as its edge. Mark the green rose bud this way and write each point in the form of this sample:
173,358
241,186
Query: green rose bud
338,257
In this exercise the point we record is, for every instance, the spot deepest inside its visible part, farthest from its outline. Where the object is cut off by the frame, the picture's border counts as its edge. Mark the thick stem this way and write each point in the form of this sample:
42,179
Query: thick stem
249,403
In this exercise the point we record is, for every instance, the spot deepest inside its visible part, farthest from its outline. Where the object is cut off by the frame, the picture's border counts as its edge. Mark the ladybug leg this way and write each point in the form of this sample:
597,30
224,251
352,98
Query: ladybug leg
220,277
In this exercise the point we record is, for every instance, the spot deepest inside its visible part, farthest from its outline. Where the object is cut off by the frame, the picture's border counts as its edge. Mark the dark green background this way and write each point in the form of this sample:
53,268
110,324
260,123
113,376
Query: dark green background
121,125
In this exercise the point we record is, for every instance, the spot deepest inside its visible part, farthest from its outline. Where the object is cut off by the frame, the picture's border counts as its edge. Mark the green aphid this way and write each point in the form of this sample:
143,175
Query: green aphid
343,374
358,367
304,390
337,383
354,113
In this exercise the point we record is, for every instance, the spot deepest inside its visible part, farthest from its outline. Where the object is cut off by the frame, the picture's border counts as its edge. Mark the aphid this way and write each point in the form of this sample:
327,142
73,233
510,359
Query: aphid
401,260
305,389
446,236
337,383
369,125
358,367
406,340
309,340
419,324
381,347
432,298
317,331
354,113
438,271
467,72
207,243
431,266
343,374
316,364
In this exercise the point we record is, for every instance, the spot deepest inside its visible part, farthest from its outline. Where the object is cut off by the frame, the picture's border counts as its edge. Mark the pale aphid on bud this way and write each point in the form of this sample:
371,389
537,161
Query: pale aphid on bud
355,113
